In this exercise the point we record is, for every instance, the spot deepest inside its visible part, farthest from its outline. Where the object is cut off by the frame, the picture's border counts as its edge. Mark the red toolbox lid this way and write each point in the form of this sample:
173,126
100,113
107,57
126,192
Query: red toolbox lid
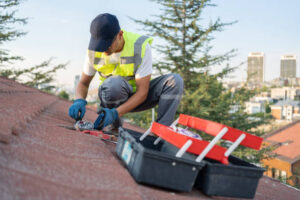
213,128
178,140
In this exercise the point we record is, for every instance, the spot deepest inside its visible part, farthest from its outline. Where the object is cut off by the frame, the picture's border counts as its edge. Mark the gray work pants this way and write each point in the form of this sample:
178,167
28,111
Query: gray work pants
165,91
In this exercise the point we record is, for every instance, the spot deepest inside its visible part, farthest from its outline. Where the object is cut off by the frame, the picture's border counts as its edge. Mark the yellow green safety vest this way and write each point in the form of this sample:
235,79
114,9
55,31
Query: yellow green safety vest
131,58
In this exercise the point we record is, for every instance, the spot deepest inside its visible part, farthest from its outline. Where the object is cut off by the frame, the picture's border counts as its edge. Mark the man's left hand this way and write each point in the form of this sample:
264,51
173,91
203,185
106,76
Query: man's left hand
106,117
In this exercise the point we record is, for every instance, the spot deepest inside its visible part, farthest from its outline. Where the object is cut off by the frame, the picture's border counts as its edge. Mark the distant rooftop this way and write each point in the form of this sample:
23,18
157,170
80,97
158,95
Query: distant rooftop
289,142
289,57
287,102
256,54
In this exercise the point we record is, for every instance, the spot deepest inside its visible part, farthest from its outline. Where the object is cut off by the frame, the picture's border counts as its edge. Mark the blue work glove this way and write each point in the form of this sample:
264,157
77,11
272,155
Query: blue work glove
77,107
106,117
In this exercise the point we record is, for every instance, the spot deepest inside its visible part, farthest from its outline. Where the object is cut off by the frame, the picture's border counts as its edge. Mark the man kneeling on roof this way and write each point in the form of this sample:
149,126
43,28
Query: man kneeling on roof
124,63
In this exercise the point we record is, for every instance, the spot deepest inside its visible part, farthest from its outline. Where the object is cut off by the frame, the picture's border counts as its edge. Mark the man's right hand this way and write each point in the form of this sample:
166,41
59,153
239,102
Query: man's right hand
78,107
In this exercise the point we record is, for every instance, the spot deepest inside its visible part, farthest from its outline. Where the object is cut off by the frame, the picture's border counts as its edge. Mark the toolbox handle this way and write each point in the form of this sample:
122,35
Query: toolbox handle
183,149
197,146
149,131
212,128
146,133
211,144
173,124
235,145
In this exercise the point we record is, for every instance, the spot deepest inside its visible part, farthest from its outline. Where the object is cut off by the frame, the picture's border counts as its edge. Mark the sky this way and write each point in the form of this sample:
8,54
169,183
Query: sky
60,29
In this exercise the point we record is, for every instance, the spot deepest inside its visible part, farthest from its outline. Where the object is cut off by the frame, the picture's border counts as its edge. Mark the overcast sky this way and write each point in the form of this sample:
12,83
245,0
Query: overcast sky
60,29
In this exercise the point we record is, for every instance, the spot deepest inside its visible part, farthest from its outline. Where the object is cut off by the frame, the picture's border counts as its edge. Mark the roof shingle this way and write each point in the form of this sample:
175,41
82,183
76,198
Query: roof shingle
41,160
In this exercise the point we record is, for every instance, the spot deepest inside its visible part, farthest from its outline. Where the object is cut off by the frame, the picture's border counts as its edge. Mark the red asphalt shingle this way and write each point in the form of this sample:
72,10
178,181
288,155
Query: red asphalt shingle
41,160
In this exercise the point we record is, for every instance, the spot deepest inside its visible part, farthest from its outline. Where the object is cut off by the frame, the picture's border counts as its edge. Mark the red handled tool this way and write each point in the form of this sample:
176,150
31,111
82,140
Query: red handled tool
106,136
102,135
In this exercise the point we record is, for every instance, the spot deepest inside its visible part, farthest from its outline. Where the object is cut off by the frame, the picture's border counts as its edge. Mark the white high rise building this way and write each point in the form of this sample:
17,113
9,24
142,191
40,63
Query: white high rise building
288,66
255,71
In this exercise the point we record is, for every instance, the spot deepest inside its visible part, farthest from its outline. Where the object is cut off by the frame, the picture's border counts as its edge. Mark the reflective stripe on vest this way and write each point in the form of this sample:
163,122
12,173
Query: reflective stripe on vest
130,60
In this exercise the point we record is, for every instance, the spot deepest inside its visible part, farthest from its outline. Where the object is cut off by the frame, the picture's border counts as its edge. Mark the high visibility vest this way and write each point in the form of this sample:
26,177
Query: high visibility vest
130,60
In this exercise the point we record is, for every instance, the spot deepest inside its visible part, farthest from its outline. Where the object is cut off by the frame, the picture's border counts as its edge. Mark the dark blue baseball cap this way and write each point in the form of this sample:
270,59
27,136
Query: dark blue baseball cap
103,30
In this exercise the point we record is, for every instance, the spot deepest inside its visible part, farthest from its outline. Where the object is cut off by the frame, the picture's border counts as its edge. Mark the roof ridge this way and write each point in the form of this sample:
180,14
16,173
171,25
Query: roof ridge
16,129
22,114
280,129
14,83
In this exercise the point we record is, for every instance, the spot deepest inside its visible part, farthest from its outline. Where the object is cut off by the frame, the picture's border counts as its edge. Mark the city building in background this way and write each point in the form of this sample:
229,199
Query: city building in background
252,107
288,66
288,69
285,93
255,71
77,79
286,110
258,103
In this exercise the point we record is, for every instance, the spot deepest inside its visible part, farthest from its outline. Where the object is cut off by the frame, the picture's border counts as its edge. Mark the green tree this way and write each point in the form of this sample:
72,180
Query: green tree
295,178
268,108
7,30
186,49
63,94
40,76
186,41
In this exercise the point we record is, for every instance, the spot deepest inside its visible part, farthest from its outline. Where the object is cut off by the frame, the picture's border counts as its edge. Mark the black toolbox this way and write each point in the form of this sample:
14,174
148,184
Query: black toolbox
156,164
238,179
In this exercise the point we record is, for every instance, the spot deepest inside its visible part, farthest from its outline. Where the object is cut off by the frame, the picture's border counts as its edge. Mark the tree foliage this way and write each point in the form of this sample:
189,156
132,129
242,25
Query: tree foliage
40,76
186,41
185,48
63,94
8,32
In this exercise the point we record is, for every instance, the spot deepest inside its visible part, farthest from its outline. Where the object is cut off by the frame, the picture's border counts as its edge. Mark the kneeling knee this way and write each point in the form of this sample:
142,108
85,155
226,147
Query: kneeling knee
113,91
111,87
176,81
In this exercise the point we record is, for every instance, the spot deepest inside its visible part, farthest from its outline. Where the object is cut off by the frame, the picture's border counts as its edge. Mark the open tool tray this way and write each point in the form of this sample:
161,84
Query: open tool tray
237,179
223,175
174,158
156,164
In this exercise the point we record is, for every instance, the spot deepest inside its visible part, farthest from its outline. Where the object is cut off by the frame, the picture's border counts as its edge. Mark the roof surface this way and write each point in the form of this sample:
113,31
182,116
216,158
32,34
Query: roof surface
287,102
40,160
289,138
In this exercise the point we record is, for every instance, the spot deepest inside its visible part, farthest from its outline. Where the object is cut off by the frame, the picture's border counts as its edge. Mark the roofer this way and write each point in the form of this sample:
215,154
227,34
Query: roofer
124,63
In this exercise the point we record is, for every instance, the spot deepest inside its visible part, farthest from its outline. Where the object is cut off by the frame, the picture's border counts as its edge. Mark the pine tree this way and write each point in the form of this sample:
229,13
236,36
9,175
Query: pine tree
39,76
7,30
186,50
